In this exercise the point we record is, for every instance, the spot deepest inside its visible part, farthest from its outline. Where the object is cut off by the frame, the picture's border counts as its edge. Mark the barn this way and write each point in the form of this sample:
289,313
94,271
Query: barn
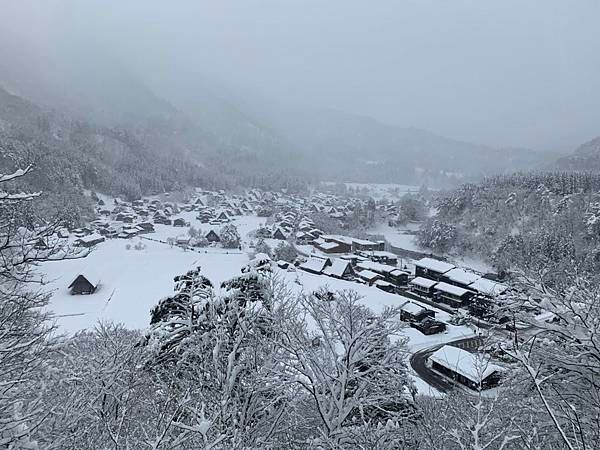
315,265
279,234
179,222
84,283
89,241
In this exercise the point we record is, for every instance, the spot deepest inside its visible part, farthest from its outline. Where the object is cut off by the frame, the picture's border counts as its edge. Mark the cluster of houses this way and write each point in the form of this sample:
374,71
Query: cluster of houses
459,288
355,268
342,209
382,276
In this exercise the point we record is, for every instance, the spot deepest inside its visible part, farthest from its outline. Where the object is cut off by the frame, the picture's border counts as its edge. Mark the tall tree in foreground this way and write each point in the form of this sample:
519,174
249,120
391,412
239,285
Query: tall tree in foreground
560,359
25,328
215,355
350,362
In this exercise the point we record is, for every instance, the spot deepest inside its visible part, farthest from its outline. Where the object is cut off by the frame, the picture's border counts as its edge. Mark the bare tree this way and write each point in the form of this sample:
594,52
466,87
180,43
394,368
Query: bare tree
560,356
25,341
351,363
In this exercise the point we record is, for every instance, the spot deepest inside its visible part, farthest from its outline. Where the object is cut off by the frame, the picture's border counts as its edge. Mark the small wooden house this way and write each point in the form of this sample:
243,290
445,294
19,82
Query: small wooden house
212,236
84,283
179,222
279,234
422,286
433,269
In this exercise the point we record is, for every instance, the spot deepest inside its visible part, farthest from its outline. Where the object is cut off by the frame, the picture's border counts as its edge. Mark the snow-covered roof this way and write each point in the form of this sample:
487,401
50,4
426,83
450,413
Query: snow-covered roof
338,238
363,242
382,283
329,245
368,275
89,274
314,264
376,267
91,238
462,276
488,287
412,308
451,289
398,272
423,282
434,264
475,367
337,268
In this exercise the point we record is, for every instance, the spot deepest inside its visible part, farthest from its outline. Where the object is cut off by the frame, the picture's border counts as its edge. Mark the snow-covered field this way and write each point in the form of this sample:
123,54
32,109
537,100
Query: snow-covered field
132,281
402,237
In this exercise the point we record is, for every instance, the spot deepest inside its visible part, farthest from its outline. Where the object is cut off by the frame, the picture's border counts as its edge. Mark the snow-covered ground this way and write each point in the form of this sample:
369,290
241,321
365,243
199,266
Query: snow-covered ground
244,224
131,281
402,237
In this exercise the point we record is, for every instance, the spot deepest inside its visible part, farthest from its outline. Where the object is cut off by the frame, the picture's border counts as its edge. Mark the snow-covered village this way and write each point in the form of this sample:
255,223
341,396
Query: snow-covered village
299,225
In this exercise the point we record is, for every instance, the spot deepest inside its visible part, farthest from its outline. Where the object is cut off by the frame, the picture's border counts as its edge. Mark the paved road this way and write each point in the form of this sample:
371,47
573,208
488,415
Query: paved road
419,359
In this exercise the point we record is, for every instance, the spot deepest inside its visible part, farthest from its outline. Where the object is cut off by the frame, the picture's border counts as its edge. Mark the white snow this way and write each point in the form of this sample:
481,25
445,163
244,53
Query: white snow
488,287
403,237
459,275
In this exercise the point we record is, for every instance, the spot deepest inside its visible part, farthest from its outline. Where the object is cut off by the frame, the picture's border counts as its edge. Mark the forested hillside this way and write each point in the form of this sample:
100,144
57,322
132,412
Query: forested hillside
163,153
544,222
357,148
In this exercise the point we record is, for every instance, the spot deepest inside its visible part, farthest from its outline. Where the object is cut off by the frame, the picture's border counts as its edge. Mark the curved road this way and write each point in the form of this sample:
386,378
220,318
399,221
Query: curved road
419,359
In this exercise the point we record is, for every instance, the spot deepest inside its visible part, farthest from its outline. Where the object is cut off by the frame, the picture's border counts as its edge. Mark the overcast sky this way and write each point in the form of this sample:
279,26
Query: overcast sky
499,72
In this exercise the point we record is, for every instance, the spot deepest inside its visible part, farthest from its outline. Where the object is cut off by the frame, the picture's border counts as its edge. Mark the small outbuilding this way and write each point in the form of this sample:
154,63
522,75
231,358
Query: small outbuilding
212,236
84,283
179,222
411,312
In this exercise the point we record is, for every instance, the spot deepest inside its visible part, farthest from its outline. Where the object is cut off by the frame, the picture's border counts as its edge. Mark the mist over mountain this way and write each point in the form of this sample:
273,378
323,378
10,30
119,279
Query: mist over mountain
585,158
191,123
359,148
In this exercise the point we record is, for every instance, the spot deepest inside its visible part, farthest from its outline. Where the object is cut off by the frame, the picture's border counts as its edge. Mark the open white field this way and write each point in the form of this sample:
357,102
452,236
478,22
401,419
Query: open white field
401,237
132,281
